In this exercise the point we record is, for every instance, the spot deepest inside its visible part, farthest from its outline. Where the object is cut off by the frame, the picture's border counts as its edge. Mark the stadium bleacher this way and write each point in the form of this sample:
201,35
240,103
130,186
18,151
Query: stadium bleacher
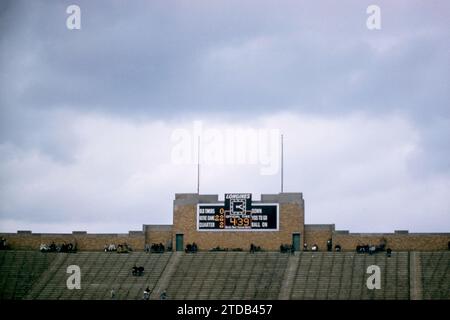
224,275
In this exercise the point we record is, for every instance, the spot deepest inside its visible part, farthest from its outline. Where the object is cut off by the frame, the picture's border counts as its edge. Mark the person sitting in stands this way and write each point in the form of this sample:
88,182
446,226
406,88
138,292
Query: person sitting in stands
382,245
372,249
337,248
194,247
188,248
388,252
315,248
305,247
3,245
146,293
329,245
163,295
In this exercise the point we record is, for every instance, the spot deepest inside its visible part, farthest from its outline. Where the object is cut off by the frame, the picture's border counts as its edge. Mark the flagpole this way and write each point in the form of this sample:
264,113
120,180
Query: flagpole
198,165
282,164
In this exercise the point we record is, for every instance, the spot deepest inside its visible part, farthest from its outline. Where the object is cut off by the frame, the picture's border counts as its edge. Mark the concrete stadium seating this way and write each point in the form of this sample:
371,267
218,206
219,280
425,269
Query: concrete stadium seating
435,275
225,275
19,270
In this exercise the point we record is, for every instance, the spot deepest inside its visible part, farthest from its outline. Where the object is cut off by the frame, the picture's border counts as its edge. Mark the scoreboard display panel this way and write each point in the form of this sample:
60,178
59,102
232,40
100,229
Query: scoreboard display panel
237,213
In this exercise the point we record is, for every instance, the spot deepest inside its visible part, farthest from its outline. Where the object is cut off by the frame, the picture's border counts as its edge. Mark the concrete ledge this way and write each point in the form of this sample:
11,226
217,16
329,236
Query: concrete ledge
158,227
314,227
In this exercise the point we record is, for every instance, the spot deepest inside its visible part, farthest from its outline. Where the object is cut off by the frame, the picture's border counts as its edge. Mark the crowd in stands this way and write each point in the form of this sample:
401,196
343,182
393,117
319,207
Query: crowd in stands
155,248
191,248
3,244
65,247
218,248
370,249
254,248
314,247
110,248
121,248
137,271
286,248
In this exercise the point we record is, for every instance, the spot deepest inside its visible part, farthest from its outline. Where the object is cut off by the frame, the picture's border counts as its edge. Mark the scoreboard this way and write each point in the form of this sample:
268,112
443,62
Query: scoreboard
237,213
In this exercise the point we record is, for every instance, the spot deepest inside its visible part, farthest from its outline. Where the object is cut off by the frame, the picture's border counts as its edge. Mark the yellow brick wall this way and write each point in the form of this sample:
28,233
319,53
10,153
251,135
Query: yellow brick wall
158,236
86,242
399,242
319,237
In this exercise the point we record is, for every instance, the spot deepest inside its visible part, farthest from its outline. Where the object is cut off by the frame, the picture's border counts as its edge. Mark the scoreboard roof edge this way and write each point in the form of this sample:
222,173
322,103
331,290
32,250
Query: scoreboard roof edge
195,198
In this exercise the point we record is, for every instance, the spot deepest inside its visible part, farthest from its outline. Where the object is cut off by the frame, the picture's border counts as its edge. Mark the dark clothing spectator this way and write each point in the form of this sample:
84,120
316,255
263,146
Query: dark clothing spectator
329,245
146,293
388,252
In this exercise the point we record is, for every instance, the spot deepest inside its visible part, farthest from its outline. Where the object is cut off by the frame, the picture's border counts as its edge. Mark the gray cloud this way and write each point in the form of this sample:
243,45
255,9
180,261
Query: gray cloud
142,62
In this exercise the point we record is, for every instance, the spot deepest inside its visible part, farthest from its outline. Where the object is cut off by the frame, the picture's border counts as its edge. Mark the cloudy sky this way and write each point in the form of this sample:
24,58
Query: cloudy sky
98,126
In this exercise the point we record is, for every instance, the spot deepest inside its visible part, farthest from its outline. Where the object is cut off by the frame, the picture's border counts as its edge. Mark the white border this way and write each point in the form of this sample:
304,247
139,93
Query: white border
240,230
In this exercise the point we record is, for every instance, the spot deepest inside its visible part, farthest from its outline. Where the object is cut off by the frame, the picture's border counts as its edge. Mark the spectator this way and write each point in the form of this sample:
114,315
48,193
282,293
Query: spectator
388,252
3,244
146,293
163,295
315,248
337,248
329,245
113,294
305,247
372,249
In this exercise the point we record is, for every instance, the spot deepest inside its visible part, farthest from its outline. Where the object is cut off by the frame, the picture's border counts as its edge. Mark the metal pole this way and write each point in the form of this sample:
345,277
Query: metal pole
282,164
198,165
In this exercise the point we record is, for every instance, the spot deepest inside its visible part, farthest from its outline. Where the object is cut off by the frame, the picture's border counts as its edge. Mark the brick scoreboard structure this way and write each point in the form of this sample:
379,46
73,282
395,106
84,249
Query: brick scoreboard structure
291,223
290,229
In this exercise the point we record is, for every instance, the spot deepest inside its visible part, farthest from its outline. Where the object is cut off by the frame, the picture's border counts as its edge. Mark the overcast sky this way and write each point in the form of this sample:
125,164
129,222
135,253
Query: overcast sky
92,120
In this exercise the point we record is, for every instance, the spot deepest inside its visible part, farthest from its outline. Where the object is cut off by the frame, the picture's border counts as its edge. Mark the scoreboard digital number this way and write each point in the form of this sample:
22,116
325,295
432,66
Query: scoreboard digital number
237,213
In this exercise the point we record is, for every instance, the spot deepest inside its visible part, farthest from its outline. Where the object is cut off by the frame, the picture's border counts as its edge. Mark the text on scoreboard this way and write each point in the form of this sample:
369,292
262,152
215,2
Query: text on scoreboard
237,213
